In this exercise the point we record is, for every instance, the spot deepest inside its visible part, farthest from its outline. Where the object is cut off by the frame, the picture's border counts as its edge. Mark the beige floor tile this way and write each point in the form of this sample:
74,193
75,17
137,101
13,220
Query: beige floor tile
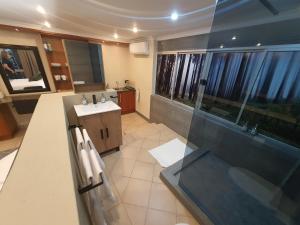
137,143
181,209
186,220
137,192
128,138
123,167
144,156
119,216
143,171
150,144
155,217
161,198
154,137
120,183
129,152
136,214
156,173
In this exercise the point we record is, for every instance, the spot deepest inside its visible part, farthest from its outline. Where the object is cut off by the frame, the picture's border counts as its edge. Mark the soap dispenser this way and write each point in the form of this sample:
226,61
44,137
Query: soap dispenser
84,100
102,99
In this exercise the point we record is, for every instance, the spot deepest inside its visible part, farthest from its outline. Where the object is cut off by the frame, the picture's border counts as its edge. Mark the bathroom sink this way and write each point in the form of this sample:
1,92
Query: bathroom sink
90,109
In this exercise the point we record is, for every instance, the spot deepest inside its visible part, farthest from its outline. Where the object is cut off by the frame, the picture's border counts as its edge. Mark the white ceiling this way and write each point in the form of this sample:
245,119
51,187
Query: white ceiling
102,18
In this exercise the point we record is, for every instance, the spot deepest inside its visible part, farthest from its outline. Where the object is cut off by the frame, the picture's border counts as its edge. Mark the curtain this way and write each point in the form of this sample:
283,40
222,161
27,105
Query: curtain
279,79
231,73
29,63
164,74
188,77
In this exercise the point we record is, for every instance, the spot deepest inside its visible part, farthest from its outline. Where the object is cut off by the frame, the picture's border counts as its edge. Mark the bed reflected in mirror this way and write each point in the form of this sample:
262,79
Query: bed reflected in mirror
22,70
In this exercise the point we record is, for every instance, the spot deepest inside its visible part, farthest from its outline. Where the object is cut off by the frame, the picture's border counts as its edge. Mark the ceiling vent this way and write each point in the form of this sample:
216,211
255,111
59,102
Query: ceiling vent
139,48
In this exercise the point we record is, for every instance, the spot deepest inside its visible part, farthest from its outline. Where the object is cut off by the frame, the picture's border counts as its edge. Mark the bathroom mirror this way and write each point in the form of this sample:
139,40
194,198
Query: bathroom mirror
86,65
22,70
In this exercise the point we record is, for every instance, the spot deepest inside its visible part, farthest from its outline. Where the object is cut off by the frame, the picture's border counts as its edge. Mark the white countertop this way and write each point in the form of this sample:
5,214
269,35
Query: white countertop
90,109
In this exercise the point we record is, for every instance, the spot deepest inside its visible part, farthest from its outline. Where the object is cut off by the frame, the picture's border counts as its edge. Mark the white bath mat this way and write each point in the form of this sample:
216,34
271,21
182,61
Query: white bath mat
5,165
171,152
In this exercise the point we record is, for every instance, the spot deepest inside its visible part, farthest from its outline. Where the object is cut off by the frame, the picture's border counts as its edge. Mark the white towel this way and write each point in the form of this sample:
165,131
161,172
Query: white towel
86,164
137,95
79,140
90,145
97,171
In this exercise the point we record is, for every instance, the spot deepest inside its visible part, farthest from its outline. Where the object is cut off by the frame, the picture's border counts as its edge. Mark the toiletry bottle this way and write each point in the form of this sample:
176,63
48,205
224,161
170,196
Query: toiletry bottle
84,100
94,99
103,99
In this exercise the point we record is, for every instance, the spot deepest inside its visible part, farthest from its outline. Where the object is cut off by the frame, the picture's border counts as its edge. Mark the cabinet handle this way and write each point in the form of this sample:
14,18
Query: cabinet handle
107,134
102,136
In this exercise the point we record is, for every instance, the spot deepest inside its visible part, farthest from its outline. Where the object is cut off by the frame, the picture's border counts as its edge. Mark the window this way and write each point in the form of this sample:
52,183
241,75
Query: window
164,74
250,88
229,80
190,67
274,103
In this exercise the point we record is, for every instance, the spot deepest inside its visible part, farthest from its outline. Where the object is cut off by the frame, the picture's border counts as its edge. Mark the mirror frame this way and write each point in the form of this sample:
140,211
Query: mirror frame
40,65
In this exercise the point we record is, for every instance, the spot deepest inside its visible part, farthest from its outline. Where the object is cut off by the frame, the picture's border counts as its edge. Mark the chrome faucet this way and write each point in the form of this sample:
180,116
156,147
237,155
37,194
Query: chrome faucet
253,131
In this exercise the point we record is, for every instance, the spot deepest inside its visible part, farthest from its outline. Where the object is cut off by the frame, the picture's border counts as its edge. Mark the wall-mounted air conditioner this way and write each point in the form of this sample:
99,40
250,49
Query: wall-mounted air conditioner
139,48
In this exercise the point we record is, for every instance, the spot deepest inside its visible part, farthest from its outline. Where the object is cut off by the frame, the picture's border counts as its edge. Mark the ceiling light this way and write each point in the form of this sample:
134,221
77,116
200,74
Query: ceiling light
41,10
116,36
233,38
47,24
221,46
17,30
258,44
135,29
174,16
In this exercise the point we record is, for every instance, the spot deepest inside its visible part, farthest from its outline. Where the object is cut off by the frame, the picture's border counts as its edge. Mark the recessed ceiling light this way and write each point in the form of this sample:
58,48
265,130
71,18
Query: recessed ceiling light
41,10
116,36
258,44
233,38
135,29
47,24
17,30
174,16
221,46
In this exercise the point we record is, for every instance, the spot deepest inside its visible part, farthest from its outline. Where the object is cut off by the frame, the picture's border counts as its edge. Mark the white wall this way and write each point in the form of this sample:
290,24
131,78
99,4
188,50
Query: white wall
141,77
116,64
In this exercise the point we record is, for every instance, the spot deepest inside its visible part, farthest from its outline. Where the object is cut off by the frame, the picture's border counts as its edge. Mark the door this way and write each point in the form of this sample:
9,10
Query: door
96,130
112,129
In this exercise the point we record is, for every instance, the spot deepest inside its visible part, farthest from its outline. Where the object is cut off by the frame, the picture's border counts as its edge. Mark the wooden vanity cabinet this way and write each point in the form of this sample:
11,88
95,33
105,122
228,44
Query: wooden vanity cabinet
8,124
126,100
104,129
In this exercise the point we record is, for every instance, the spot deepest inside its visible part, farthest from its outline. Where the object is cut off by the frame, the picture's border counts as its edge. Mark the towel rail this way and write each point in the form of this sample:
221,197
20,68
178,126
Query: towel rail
90,186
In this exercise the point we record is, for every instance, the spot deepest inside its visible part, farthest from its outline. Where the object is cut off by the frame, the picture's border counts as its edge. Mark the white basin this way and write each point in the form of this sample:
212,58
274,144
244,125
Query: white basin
90,109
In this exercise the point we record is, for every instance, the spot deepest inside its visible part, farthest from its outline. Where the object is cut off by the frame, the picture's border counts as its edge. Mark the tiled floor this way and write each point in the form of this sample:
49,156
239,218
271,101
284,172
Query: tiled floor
142,198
